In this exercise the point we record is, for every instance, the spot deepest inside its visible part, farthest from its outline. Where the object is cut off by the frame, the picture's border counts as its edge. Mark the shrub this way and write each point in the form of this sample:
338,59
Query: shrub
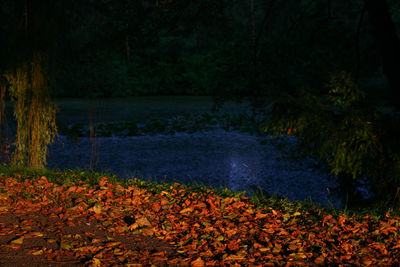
356,140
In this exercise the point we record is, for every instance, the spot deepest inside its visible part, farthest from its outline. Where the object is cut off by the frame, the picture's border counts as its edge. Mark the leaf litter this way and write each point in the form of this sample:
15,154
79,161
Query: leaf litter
77,224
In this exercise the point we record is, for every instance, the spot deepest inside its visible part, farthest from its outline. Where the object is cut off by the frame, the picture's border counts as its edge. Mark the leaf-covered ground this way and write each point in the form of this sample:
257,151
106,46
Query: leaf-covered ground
67,224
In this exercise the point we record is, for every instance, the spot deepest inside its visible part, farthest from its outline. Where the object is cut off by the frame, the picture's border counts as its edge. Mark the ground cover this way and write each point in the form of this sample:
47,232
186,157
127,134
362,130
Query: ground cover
73,218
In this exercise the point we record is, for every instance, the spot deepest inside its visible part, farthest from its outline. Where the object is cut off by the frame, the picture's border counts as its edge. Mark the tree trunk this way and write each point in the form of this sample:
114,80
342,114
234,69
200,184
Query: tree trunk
388,44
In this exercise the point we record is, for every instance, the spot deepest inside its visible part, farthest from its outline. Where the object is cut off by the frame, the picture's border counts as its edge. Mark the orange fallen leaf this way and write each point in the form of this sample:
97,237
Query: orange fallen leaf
143,221
197,262
319,260
233,245
186,210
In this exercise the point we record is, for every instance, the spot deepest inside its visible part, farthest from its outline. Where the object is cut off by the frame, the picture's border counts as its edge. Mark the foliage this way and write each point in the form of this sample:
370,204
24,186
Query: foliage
33,112
3,115
225,48
199,227
100,76
343,131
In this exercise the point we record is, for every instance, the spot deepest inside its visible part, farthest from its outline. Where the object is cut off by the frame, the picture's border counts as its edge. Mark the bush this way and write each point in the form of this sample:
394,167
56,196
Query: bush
357,141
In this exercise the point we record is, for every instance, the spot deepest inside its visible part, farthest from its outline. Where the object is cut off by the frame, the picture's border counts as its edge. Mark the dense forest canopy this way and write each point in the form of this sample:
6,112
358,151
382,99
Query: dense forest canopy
123,48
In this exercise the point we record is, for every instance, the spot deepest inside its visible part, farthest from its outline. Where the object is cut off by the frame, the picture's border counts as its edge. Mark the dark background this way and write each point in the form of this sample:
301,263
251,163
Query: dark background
229,48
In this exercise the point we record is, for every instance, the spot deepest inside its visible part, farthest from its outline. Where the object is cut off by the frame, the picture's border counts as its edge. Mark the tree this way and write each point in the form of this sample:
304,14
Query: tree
388,44
26,75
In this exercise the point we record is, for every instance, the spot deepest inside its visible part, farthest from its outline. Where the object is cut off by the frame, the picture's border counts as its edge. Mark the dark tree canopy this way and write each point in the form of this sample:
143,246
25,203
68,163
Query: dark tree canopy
228,48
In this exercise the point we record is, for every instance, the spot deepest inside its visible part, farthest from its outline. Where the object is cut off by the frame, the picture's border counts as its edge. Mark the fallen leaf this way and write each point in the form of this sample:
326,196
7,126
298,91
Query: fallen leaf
96,209
38,252
198,262
65,246
96,262
33,234
186,210
319,260
143,221
18,241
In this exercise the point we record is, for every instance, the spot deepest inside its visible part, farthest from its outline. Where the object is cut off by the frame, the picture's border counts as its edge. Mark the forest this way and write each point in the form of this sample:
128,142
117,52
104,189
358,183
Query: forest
324,71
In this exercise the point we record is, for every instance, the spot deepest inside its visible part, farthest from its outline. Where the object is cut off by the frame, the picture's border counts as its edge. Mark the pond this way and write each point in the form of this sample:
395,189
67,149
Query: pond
214,157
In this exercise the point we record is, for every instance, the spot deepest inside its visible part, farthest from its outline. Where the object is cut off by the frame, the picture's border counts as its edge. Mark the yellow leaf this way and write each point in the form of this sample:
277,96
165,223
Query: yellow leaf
14,246
36,234
38,252
250,211
133,226
18,241
65,246
186,210
97,209
96,262
235,257
296,213
220,238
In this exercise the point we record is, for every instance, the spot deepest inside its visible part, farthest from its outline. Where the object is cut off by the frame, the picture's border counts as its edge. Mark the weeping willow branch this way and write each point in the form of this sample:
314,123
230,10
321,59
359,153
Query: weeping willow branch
3,118
4,145
34,113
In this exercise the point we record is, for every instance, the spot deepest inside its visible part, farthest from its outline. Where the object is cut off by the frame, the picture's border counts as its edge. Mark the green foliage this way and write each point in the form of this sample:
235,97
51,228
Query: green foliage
343,92
104,74
345,133
34,113
178,68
